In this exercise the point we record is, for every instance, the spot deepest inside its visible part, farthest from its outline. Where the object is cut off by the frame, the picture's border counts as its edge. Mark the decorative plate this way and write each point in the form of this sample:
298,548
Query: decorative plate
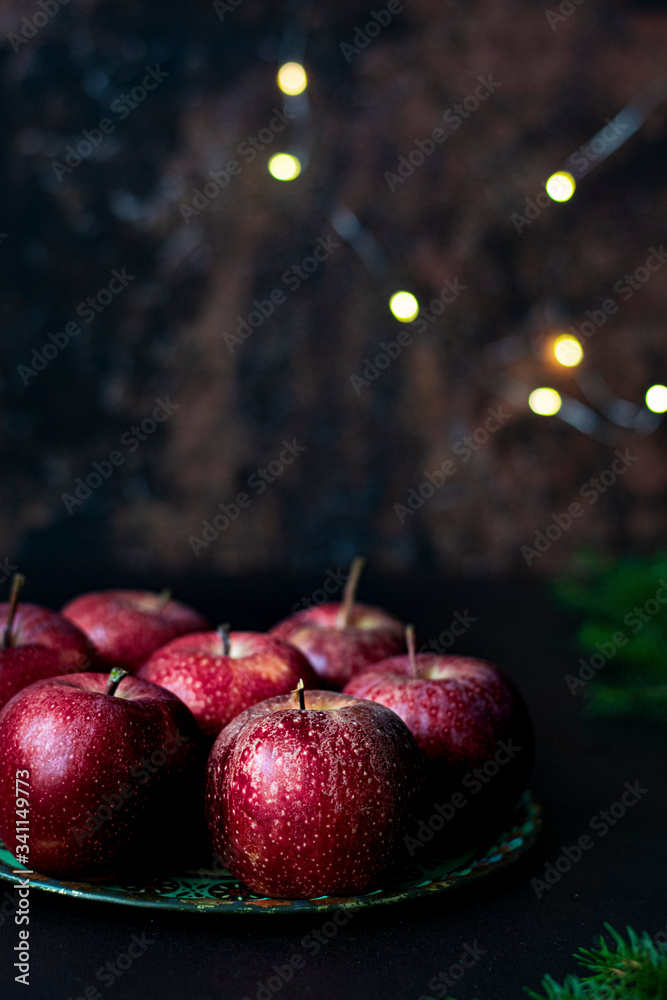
201,891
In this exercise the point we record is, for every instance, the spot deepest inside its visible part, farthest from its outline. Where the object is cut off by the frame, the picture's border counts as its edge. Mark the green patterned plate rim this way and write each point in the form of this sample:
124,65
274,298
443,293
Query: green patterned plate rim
217,891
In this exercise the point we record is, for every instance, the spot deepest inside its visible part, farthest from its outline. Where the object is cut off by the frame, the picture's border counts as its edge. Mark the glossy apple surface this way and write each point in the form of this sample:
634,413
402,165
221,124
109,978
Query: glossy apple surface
217,686
338,651
126,626
313,802
465,714
111,779
41,644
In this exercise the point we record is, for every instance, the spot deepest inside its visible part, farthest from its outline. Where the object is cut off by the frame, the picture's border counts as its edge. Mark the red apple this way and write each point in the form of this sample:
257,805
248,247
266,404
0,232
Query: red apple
220,674
467,716
314,800
107,774
126,626
339,640
37,643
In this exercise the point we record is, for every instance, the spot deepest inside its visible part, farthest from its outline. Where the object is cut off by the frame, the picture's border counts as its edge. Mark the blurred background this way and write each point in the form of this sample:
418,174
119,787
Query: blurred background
202,371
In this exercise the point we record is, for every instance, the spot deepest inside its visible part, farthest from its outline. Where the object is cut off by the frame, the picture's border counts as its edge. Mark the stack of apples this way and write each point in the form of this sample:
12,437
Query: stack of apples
135,723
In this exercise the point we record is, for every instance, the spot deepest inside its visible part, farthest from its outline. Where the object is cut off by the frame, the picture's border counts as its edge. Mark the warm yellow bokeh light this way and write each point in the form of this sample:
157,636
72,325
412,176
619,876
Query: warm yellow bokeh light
561,186
284,167
546,402
292,78
568,351
656,398
404,306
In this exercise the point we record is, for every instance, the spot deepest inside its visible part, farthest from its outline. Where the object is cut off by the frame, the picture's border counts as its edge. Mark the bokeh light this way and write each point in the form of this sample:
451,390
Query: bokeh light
545,401
656,398
568,351
292,78
284,167
404,306
561,186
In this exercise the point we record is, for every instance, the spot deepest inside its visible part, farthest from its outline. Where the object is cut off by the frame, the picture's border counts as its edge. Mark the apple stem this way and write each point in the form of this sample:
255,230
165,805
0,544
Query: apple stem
302,696
163,599
349,593
17,583
115,677
410,640
223,632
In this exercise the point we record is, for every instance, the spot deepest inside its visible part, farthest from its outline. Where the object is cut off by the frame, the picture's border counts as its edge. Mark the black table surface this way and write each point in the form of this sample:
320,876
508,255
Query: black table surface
394,951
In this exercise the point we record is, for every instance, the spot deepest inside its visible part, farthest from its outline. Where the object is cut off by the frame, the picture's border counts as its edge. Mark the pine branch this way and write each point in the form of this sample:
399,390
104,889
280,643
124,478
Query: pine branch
624,620
635,969
648,701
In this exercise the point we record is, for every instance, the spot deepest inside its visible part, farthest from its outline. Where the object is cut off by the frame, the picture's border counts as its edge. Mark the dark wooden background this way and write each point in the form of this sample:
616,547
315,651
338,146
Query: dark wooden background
164,335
